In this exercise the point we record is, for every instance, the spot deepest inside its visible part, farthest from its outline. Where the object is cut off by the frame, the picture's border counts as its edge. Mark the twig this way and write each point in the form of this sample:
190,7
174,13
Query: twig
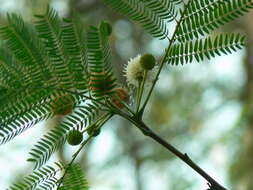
164,59
184,157
72,160
103,120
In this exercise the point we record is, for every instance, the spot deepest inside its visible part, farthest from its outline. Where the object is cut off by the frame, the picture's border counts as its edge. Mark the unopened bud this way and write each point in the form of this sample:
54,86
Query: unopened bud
147,61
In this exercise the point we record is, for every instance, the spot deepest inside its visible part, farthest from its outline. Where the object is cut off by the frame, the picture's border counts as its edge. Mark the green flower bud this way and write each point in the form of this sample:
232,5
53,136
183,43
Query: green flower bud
106,28
75,137
147,61
93,131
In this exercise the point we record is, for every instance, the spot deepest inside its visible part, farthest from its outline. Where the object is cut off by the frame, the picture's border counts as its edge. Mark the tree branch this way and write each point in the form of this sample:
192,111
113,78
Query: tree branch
183,156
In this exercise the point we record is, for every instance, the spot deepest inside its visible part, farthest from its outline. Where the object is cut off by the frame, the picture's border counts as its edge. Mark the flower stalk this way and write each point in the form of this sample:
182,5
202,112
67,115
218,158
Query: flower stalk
140,91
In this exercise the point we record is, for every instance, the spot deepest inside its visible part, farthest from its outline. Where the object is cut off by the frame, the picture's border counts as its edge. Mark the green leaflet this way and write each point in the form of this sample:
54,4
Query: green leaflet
41,179
47,178
203,16
49,29
101,78
12,73
99,69
39,65
153,15
75,45
204,48
74,179
49,143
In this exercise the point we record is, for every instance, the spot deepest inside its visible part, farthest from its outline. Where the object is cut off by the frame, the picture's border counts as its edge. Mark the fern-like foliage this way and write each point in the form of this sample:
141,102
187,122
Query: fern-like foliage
60,68
49,143
204,48
152,15
74,41
203,16
74,179
48,178
44,178
55,68
101,81
58,45
23,69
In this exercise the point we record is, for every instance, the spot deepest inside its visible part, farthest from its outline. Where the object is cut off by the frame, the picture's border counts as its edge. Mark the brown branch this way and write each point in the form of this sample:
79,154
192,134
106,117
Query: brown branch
184,157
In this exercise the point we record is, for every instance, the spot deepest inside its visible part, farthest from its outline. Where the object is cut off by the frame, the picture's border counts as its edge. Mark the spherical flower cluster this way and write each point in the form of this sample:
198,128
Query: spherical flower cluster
134,72
75,137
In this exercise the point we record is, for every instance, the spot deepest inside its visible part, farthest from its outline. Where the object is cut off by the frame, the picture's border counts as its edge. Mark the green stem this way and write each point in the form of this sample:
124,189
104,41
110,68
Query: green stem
101,122
164,59
138,96
72,161
73,93
124,104
141,90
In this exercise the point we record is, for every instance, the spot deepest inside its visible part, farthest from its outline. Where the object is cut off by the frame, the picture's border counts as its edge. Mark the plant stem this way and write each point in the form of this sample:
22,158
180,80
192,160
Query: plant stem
125,105
103,120
184,157
140,90
138,96
164,59
72,160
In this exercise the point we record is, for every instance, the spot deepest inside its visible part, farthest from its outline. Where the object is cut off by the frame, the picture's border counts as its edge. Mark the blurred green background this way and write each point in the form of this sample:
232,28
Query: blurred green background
203,109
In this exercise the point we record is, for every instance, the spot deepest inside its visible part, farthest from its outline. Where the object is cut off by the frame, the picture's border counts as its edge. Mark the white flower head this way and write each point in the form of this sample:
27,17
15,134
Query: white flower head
134,72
